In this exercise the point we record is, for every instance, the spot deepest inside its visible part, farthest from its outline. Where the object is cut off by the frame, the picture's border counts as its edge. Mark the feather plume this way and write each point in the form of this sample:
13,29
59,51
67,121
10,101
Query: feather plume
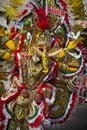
43,23
10,12
17,3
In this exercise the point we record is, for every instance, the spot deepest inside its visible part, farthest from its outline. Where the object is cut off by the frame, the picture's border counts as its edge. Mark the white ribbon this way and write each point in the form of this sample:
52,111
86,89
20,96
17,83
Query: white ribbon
73,36
75,55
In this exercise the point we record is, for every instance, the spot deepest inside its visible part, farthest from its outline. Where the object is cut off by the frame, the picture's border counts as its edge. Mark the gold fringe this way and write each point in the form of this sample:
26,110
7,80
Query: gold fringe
77,8
77,28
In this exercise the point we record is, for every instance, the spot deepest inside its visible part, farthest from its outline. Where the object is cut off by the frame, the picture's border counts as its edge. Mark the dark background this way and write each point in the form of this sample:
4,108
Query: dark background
84,35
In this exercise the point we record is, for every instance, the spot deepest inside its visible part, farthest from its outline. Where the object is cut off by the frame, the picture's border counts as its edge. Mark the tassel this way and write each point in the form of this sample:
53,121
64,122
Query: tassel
6,56
10,44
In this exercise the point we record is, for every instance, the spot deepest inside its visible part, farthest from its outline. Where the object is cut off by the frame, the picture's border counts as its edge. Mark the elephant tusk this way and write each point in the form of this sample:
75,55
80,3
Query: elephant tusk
54,53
